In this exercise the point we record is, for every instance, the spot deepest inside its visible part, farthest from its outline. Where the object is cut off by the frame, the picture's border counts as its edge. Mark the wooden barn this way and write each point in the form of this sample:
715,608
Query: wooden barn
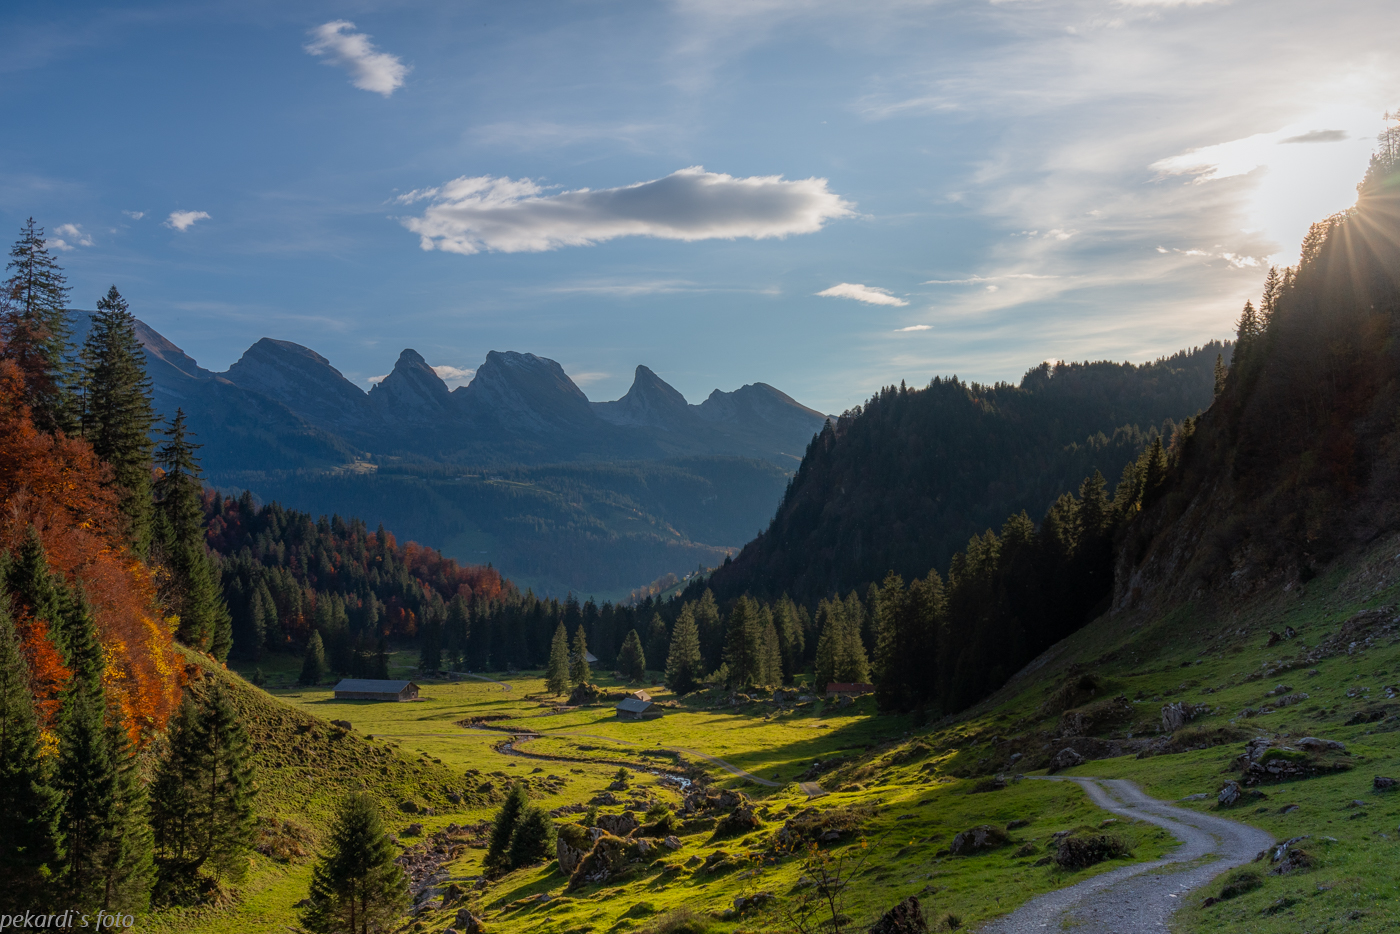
370,689
637,706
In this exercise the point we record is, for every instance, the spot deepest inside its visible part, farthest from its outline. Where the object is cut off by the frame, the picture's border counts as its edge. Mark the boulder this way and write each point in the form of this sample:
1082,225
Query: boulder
619,825
611,858
739,821
979,839
1382,783
413,830
1064,759
904,918
343,724
1313,744
1177,715
1230,794
469,923
584,694
569,856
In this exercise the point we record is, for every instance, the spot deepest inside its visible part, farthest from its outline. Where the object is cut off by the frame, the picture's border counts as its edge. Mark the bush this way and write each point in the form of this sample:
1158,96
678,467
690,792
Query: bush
1080,851
532,840
1246,880
1072,693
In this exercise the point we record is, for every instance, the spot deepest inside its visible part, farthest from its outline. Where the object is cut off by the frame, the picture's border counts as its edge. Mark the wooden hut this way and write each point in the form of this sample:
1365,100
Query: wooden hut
372,689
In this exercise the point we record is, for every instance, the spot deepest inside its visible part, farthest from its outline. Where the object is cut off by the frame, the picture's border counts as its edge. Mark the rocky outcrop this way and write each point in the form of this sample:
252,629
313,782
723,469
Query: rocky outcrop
411,392
978,839
1066,758
904,918
618,824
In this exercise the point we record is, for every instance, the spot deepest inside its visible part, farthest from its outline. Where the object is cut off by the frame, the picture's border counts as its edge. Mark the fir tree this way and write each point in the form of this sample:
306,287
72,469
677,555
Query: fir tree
707,620
117,414
29,804
579,670
356,887
1154,469
658,641
1221,372
127,856
497,859
743,643
430,653
193,590
532,839
34,330
793,639
770,655
313,663
683,662
556,677
631,658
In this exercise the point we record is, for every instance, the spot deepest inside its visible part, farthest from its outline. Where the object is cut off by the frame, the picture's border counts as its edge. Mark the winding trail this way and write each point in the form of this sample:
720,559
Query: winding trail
727,766
1138,899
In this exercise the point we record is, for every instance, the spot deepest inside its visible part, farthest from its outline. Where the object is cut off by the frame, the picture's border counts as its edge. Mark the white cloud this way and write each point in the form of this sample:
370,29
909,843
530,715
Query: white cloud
370,70
376,380
474,214
70,237
583,379
1319,136
914,327
871,295
454,376
135,215
184,220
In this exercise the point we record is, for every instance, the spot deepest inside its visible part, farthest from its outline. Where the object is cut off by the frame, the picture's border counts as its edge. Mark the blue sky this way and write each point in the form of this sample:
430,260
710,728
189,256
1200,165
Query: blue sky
975,186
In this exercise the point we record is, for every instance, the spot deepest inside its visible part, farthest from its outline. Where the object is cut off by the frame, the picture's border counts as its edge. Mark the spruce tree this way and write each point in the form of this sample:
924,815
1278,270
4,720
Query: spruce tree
497,860
631,659
771,655
743,643
313,663
556,676
117,414
658,640
34,330
356,887
788,619
29,804
1154,470
683,661
532,840
579,670
127,855
1221,372
711,629
194,591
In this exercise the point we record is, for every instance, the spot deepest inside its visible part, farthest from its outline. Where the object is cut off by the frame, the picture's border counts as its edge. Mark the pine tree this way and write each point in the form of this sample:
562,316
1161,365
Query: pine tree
771,655
658,641
1154,469
790,631
127,856
356,887
202,795
430,653
29,804
631,659
532,839
193,590
683,662
556,677
1268,304
1221,372
743,643
579,670
313,663
497,859
117,414
711,629
34,330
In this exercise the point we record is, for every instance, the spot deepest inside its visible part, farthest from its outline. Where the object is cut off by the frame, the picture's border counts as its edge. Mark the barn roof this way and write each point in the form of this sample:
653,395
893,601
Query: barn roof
633,705
372,686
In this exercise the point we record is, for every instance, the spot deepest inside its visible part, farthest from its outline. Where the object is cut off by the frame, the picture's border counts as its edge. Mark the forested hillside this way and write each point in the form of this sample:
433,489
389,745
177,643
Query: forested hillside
1299,459
902,482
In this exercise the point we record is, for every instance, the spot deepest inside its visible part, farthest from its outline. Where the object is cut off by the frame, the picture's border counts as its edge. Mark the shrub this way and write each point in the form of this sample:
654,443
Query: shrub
1080,851
1246,880
532,840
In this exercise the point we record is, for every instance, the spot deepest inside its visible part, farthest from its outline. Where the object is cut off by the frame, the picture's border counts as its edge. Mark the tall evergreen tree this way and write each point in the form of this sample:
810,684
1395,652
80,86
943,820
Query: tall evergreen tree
658,641
117,413
127,856
356,887
743,642
34,330
556,677
313,663
793,639
580,672
497,860
201,798
532,840
430,652
684,663
30,849
631,659
707,620
193,589
770,655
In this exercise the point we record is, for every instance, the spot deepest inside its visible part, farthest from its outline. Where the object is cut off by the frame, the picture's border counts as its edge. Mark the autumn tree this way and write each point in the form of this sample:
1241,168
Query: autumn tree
117,414
356,887
34,330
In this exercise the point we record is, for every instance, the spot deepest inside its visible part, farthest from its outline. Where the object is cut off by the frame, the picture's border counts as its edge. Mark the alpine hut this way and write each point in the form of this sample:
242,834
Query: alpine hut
372,689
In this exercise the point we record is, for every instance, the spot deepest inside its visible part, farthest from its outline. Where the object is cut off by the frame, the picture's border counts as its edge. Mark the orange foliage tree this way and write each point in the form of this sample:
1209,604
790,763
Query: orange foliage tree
57,486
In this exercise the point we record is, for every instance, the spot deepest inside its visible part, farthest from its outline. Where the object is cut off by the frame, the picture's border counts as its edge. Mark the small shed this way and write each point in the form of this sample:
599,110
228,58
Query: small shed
633,708
837,688
373,689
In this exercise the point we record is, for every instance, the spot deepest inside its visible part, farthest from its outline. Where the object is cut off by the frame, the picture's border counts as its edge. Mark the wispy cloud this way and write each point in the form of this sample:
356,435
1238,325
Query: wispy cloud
914,327
583,379
370,69
1319,136
184,220
976,280
135,215
870,294
484,213
454,376
69,237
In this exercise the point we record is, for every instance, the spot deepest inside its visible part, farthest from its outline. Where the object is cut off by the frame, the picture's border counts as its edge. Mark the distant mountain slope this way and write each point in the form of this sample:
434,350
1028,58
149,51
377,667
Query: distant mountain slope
1298,461
903,482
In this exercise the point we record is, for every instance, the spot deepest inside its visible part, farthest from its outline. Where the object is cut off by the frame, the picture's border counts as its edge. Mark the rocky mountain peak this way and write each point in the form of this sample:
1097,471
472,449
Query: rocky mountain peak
299,378
412,389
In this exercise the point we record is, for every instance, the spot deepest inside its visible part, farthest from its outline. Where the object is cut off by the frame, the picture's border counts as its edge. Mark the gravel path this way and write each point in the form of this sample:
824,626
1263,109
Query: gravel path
1136,899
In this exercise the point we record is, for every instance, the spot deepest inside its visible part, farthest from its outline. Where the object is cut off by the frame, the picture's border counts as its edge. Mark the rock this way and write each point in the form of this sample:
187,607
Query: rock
1382,783
610,859
904,918
693,862
454,797
672,842
1230,794
741,820
1199,796
469,923
605,799
1281,689
343,724
1177,715
978,840
569,856
619,825
1079,851
750,902
413,830
1064,759
1018,822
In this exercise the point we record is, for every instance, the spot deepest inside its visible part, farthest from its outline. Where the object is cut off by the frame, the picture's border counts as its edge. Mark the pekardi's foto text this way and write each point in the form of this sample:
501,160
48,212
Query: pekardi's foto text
67,921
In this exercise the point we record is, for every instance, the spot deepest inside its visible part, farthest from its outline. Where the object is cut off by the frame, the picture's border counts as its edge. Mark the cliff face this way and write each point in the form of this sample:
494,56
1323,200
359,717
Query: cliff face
1298,459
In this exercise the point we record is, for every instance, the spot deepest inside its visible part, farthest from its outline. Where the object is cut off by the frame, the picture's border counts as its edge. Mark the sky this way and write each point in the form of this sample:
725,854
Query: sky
828,197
